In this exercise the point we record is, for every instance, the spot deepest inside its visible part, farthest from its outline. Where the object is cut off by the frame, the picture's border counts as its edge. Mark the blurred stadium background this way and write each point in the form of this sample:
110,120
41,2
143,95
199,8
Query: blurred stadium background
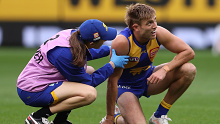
26,24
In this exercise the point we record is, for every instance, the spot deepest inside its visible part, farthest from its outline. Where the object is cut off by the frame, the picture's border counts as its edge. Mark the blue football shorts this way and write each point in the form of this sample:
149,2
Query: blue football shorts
42,98
138,88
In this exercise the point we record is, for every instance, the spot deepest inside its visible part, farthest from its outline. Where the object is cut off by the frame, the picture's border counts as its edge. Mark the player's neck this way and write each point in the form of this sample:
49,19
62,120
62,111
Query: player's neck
140,40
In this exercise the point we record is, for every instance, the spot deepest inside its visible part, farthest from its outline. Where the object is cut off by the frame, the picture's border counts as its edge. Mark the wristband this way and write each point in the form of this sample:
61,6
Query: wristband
166,68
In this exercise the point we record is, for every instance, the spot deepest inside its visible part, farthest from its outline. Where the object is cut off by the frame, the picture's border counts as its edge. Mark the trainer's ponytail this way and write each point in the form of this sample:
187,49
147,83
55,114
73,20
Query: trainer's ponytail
78,50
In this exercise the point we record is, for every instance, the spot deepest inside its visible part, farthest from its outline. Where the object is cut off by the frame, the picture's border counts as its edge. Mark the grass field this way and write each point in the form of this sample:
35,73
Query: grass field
199,105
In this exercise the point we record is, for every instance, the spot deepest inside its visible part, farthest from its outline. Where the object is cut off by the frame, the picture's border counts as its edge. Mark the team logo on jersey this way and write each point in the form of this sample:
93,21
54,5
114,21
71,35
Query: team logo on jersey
124,87
135,71
133,59
153,52
144,51
96,36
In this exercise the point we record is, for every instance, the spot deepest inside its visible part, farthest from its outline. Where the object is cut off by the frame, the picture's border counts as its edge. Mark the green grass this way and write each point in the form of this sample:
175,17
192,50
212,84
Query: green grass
198,105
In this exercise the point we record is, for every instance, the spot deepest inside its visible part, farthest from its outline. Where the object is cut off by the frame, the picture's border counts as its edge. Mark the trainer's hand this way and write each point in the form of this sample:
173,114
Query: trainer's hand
119,61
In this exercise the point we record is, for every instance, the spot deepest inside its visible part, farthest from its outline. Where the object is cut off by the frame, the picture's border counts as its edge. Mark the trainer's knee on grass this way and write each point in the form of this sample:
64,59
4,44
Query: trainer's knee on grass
188,71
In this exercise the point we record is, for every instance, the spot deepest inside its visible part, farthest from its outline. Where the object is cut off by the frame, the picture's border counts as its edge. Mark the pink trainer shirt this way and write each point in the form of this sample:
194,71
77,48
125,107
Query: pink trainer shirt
39,72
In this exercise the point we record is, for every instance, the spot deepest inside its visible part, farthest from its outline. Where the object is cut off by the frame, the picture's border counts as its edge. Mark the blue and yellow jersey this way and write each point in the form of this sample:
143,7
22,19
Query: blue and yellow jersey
141,58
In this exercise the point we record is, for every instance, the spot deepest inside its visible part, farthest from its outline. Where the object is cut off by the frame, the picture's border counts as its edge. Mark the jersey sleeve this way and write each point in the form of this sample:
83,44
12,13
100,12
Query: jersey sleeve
103,51
61,58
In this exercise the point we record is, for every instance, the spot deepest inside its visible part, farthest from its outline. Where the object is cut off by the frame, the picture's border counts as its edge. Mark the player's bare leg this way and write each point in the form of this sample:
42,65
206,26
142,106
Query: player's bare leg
177,82
130,109
120,120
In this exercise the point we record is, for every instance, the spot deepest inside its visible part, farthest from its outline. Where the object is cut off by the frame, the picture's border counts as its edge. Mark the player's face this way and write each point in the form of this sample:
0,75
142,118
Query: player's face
148,28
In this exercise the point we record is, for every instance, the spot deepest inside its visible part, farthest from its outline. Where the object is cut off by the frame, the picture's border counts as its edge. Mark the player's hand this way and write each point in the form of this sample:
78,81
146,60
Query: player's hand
156,77
119,61
108,122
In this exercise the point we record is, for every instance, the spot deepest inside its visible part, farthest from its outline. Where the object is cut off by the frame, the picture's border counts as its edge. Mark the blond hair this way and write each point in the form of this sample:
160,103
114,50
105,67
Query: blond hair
137,12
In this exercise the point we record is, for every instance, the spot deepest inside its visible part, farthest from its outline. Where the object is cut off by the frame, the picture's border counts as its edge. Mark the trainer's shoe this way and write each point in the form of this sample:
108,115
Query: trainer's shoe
163,120
66,122
31,120
117,112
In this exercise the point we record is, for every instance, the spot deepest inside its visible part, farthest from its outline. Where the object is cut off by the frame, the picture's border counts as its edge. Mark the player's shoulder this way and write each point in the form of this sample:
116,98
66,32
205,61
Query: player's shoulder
161,29
162,32
120,44
120,40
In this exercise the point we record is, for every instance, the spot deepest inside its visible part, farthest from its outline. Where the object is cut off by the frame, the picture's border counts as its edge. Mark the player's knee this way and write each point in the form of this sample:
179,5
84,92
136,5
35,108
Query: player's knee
189,71
90,95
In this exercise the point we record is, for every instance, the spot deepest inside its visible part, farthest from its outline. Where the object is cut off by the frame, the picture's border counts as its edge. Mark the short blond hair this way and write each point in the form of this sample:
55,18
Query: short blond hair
137,12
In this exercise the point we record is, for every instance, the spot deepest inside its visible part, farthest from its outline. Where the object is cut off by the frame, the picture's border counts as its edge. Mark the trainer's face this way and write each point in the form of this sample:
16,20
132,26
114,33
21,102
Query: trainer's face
148,28
97,45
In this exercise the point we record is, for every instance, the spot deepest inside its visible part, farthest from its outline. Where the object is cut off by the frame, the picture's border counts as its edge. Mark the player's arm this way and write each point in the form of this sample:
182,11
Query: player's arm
176,45
121,46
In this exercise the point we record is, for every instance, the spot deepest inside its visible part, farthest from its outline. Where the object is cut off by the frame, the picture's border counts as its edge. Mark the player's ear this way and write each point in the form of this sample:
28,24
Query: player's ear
135,27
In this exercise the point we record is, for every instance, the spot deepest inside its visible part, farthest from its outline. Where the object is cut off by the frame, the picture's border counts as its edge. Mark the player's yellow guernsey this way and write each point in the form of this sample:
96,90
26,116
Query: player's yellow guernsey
141,59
